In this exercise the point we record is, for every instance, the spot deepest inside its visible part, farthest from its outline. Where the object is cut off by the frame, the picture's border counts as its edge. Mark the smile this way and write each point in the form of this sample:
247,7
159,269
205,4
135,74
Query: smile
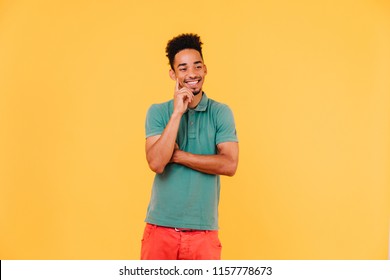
191,83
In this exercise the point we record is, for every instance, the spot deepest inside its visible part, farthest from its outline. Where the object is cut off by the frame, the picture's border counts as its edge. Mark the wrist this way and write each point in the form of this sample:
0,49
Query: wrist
178,156
176,114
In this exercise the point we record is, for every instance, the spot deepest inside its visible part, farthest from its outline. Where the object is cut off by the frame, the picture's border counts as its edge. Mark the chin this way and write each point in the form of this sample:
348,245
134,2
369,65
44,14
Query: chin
196,92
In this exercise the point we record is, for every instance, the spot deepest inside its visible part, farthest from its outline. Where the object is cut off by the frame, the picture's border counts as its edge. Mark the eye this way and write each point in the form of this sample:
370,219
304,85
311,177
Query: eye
182,69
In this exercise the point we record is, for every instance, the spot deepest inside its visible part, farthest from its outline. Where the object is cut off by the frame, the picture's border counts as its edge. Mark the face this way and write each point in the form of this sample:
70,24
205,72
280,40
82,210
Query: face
189,70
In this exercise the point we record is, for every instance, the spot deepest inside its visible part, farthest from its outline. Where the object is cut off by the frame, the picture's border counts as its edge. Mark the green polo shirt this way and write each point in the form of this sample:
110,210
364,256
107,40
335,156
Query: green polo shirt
183,197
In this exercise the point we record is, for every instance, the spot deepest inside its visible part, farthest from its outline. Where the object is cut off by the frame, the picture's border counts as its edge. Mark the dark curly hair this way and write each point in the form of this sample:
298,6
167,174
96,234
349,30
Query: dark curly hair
181,42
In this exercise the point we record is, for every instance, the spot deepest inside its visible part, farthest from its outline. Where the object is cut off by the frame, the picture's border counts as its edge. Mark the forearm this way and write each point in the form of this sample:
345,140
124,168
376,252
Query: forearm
160,152
220,164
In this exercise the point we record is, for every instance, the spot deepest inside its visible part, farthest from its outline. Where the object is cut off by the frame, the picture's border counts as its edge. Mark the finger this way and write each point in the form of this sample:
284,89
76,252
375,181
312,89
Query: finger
186,90
177,84
186,93
185,97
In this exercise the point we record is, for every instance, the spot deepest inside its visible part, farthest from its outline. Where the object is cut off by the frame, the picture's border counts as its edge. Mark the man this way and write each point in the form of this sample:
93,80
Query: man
190,141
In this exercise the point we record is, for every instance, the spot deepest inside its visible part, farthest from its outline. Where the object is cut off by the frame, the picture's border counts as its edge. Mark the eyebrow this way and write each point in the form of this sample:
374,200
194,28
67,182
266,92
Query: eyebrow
185,64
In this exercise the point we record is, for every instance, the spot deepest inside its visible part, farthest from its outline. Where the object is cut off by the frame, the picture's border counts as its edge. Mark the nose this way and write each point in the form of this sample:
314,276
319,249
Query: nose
192,74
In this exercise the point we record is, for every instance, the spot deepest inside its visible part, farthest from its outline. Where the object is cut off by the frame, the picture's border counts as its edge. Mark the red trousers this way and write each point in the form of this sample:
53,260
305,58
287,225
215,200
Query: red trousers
163,243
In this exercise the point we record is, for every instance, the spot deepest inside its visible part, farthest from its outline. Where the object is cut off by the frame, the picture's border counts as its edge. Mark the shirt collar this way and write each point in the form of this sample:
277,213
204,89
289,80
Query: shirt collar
202,106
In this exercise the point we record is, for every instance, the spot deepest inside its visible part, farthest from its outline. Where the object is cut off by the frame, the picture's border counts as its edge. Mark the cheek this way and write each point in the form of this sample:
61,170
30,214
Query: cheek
181,81
179,76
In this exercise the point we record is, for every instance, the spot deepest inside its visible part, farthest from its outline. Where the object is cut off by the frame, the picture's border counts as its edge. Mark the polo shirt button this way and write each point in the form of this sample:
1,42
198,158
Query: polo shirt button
192,123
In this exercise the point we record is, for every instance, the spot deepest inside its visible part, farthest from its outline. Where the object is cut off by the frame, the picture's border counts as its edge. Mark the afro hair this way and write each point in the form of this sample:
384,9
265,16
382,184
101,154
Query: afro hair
181,42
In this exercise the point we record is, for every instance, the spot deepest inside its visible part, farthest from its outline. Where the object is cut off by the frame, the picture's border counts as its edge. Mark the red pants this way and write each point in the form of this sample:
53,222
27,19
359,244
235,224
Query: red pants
163,243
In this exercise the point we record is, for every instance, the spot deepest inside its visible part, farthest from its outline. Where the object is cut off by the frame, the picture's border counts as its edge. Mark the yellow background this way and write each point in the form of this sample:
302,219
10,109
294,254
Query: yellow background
308,82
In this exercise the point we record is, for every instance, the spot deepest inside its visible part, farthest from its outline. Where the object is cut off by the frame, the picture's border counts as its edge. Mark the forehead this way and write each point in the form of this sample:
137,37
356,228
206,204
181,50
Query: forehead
187,56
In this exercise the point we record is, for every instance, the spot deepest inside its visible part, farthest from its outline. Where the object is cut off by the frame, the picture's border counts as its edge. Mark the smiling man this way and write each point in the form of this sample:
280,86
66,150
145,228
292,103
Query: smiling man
190,141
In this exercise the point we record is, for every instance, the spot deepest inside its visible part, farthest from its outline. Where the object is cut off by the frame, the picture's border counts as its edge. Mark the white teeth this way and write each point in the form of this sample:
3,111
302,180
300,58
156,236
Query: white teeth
192,83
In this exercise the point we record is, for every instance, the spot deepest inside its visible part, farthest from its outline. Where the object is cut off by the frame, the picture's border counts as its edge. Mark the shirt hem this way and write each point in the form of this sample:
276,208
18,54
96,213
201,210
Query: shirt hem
173,225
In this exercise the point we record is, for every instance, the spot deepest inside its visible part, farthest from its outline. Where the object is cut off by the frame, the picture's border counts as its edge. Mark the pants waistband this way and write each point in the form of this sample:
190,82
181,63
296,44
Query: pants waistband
183,229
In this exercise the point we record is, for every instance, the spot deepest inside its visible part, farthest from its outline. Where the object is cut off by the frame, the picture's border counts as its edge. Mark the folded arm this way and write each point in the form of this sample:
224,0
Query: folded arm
159,148
223,163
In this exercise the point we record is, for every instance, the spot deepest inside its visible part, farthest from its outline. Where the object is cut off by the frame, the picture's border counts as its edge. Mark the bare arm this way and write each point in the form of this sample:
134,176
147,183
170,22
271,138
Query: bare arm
223,163
159,148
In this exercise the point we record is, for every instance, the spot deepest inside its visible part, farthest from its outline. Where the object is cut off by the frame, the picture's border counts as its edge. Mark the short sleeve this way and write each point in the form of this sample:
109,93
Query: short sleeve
154,124
226,128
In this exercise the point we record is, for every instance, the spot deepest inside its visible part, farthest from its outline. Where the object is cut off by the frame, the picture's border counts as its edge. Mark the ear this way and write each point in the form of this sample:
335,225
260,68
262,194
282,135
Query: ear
205,69
172,74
